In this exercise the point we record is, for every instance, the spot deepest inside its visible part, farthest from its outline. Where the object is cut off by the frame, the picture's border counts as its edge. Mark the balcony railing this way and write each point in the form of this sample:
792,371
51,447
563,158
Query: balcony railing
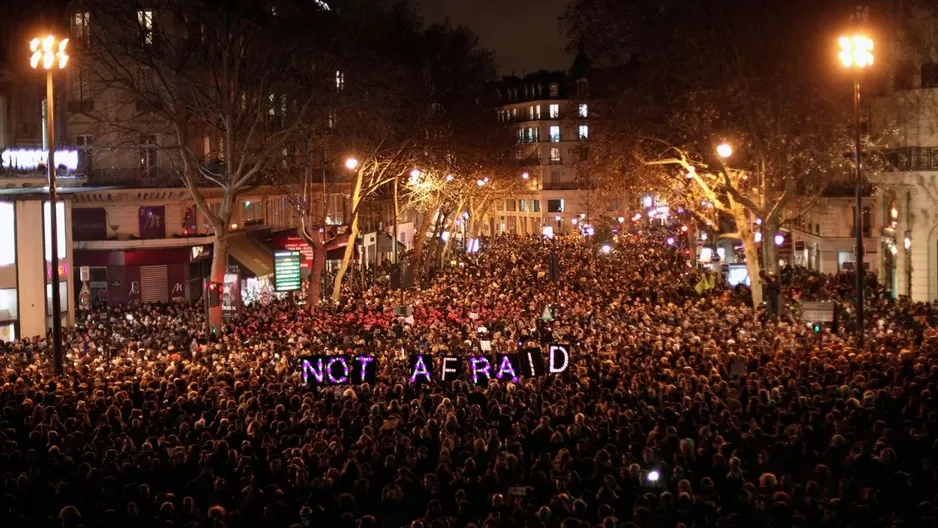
133,178
912,159
565,186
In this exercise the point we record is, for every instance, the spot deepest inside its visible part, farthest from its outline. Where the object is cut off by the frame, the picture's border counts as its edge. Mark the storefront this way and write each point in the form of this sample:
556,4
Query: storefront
26,267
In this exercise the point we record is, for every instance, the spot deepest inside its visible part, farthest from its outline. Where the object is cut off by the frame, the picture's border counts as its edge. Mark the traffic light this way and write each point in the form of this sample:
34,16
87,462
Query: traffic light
214,295
816,327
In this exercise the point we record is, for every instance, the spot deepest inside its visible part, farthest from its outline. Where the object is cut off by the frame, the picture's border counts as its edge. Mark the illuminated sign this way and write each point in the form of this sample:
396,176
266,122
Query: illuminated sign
287,271
63,270
29,159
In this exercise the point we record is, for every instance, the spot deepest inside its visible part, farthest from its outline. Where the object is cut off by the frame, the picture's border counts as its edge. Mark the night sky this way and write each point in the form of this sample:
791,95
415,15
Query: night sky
524,34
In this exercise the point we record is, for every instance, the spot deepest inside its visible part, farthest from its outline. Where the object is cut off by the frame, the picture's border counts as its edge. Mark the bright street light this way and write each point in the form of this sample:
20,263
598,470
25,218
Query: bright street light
351,163
525,176
449,177
856,51
415,174
48,54
779,239
480,183
621,219
607,249
724,150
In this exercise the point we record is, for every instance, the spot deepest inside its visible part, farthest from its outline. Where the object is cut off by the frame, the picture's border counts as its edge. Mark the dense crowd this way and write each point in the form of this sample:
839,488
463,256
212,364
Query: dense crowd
680,409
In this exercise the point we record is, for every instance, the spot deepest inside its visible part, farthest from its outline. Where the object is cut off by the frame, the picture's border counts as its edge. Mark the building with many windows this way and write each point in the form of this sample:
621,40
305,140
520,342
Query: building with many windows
550,112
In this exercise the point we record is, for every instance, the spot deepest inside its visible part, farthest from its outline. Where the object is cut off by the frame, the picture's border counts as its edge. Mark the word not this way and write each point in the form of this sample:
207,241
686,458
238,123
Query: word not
339,370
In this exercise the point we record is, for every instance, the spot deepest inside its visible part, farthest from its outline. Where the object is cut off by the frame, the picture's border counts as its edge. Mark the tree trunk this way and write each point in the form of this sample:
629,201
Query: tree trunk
217,276
314,292
352,237
752,266
420,236
452,233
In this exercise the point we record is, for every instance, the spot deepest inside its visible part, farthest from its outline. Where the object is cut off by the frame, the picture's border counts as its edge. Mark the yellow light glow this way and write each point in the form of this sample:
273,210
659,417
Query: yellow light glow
525,176
47,53
351,164
856,51
724,150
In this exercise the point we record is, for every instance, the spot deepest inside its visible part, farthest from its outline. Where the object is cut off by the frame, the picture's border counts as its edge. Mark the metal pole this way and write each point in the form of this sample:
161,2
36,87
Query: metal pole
322,168
53,230
858,222
396,213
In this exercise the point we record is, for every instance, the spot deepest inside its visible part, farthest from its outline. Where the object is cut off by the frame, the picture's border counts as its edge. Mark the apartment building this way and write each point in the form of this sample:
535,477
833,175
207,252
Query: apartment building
550,112
904,106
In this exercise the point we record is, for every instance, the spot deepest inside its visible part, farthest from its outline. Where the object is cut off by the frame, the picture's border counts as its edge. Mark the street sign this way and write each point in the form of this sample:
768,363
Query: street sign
287,271
84,298
817,312
84,273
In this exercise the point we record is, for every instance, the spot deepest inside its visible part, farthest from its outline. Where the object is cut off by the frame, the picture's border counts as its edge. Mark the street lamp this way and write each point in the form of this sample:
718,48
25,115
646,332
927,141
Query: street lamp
50,54
856,53
724,150
351,163
525,176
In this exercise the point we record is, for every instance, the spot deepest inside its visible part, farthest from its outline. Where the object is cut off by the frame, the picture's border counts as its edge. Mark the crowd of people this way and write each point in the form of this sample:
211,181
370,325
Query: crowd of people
678,409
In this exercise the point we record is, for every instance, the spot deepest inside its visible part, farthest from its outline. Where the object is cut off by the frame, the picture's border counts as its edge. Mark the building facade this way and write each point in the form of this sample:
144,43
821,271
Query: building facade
550,113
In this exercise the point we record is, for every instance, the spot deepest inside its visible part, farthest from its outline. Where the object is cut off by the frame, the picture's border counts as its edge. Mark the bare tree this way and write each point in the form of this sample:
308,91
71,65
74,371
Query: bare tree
751,80
223,88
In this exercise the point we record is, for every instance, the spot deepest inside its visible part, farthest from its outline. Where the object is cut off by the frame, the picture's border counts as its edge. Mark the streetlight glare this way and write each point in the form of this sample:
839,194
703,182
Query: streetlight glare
351,164
415,174
724,150
47,53
525,176
449,177
856,51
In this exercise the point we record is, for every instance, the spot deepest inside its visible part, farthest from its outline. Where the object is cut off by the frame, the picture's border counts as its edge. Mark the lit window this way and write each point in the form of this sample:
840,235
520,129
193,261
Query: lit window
148,146
145,21
8,234
554,111
584,110
584,132
555,133
554,89
59,232
531,113
554,155
273,104
537,111
81,29
84,144
339,80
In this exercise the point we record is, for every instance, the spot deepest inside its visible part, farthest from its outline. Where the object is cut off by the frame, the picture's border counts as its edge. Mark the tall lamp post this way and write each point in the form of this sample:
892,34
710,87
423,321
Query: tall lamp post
856,53
49,54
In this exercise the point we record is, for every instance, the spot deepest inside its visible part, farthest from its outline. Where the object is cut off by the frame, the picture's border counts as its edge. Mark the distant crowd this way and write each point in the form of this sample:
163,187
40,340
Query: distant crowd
679,410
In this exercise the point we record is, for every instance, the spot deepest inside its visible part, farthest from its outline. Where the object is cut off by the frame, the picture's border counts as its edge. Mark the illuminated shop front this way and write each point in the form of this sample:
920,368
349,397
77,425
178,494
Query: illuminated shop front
25,265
